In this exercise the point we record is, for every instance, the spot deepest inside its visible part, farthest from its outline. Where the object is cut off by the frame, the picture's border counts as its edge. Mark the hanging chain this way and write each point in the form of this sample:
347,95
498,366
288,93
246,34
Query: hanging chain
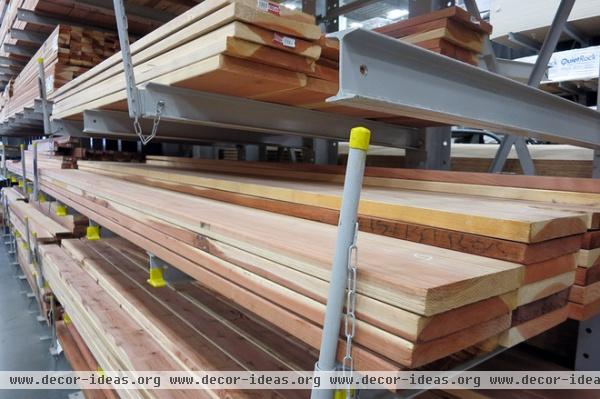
160,105
350,316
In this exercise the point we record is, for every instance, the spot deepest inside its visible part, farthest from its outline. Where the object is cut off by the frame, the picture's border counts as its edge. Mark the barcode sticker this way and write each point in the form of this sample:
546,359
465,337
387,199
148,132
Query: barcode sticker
284,40
268,6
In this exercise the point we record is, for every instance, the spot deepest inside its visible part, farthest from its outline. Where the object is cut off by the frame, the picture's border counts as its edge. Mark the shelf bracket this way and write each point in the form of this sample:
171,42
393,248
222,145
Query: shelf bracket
133,94
43,96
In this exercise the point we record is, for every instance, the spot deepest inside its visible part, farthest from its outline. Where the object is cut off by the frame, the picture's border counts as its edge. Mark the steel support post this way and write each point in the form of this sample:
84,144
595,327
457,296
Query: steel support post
4,142
342,260
23,169
587,357
541,64
36,182
43,94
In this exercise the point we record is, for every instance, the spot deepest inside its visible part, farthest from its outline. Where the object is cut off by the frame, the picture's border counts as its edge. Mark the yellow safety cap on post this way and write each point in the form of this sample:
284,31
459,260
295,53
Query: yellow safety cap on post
359,138
100,371
41,198
20,184
61,210
92,233
28,190
156,279
13,179
21,146
67,319
17,234
40,60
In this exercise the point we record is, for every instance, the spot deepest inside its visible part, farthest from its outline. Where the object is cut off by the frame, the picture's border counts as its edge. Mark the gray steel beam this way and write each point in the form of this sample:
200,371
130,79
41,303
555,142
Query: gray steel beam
28,36
118,124
6,71
515,70
34,18
524,41
345,9
11,61
133,9
380,73
19,49
576,34
596,165
208,109
39,107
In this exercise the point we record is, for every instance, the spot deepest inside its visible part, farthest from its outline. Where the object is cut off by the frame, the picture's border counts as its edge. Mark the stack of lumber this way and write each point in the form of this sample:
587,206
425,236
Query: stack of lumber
451,32
585,294
448,215
413,298
229,47
42,228
67,53
80,358
128,325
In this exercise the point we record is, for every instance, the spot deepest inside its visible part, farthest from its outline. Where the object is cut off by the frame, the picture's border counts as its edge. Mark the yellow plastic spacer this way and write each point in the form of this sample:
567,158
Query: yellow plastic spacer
20,184
100,371
359,138
61,210
67,319
21,146
29,190
156,279
13,179
40,60
17,234
46,285
92,233
41,198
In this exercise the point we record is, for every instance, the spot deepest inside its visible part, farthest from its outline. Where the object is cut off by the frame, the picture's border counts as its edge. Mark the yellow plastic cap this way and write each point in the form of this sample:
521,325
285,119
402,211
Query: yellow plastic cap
41,198
40,60
61,210
92,233
156,279
22,146
67,319
359,138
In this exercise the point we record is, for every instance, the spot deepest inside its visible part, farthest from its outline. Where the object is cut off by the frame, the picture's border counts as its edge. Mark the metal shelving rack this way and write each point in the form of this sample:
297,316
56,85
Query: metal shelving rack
376,73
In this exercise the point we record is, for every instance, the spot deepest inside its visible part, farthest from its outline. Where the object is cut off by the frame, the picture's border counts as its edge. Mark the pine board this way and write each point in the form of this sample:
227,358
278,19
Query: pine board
531,328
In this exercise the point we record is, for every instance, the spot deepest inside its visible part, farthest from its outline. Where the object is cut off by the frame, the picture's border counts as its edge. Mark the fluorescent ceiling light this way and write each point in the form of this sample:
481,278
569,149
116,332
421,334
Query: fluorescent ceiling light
397,13
290,5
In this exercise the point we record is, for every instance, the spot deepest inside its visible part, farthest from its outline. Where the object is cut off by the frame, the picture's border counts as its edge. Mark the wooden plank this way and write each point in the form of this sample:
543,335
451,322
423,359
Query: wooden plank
531,328
469,243
540,307
520,221
591,240
486,179
546,269
587,275
588,257
541,289
581,312
585,295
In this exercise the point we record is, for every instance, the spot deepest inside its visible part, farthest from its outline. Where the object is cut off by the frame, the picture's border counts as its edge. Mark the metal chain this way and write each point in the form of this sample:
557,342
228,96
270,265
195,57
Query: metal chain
350,316
138,127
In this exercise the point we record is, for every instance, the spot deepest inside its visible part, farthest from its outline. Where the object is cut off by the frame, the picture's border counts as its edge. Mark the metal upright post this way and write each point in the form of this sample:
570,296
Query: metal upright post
4,141
541,64
343,273
23,169
36,182
43,94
